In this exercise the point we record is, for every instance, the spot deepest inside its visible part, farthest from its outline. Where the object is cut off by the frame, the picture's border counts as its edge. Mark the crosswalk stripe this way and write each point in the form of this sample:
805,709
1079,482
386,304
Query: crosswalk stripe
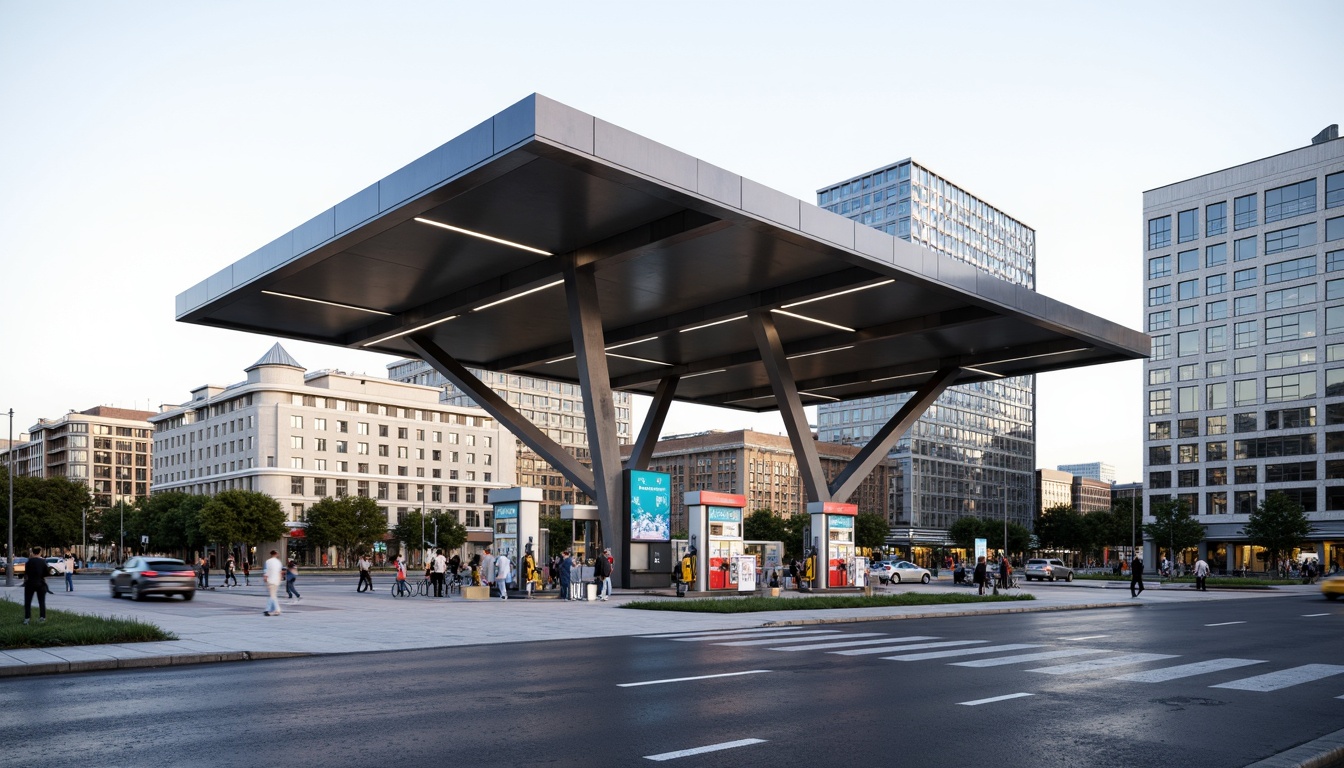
1185,670
770,640
961,652
1022,658
715,638
1273,681
916,647
1084,637
1114,661
828,646
991,700
752,631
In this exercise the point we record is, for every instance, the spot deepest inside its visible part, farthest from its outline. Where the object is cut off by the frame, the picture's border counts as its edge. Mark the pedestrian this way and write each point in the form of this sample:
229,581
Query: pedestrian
455,567
247,573
503,569
35,583
200,571
981,573
530,573
793,572
1005,570
475,564
564,567
271,575
402,587
291,575
1201,574
1136,576
230,573
365,576
604,563
554,568
439,572
205,573
69,572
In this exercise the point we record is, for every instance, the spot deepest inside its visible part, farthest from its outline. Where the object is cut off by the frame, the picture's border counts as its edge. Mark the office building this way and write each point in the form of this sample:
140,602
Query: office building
302,436
761,467
1244,390
1087,494
1053,489
1096,470
108,449
979,439
555,406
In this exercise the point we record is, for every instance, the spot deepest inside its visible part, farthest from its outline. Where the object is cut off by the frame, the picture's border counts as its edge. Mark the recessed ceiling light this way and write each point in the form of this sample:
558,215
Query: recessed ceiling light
839,293
982,372
710,325
819,352
637,359
703,373
483,236
399,334
328,303
814,320
630,343
518,295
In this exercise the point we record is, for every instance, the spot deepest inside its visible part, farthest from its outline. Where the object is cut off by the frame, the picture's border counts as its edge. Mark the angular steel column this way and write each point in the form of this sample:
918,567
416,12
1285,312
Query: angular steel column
875,451
653,424
790,406
496,406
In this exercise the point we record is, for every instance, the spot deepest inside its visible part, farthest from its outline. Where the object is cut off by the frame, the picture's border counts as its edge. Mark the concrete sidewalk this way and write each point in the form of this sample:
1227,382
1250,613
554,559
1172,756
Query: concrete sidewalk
228,625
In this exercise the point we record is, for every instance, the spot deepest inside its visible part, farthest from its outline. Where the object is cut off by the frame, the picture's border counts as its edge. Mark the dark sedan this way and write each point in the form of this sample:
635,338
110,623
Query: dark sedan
141,576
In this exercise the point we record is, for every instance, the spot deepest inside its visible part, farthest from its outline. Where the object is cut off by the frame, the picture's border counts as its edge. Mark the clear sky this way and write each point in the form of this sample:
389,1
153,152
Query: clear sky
145,145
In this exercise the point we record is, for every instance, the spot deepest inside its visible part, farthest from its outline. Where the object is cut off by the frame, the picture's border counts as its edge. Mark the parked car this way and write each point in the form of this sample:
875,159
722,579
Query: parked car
881,571
141,576
56,565
1048,569
1333,586
900,571
20,564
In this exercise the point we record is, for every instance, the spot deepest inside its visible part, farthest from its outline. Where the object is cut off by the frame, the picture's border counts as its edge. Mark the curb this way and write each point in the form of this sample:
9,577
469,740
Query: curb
1324,752
949,614
175,660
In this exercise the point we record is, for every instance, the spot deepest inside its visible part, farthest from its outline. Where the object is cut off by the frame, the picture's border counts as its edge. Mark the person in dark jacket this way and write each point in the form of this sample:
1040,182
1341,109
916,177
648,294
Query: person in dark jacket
566,563
604,568
981,576
1136,576
35,583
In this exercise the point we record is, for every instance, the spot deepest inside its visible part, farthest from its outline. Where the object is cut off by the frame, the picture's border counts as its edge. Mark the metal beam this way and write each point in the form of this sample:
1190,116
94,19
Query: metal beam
786,393
520,426
642,452
875,451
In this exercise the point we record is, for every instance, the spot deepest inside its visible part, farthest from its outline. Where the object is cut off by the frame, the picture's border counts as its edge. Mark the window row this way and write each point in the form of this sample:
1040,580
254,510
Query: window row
1287,201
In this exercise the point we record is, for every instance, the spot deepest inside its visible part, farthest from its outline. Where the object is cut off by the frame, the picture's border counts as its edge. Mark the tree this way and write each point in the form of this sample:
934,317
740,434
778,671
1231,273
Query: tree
964,531
249,517
452,534
561,533
1278,524
346,523
870,530
764,525
48,512
1061,527
1172,525
794,528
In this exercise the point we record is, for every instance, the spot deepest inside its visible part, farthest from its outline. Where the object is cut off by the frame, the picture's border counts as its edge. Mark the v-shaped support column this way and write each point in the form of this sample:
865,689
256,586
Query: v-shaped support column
653,424
876,449
790,406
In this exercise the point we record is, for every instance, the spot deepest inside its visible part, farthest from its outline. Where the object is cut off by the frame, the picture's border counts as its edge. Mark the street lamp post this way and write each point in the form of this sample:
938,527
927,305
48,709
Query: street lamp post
9,547
1005,515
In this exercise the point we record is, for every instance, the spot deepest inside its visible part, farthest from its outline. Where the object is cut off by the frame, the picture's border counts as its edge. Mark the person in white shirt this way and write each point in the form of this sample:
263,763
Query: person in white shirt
1201,573
439,573
365,577
503,569
273,570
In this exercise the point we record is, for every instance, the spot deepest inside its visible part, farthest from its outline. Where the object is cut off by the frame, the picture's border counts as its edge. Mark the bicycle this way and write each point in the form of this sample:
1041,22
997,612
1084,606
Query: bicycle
422,587
402,589
455,583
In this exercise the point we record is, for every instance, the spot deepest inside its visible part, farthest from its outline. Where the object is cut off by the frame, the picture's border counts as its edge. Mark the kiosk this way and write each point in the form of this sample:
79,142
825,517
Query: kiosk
833,526
646,559
517,524
716,520
587,544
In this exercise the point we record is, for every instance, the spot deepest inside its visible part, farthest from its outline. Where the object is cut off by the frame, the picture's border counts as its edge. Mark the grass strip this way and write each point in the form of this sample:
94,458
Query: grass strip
64,628
757,604
1229,582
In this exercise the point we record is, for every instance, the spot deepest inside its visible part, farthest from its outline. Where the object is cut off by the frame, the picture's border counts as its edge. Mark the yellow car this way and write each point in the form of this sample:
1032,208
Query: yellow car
1333,587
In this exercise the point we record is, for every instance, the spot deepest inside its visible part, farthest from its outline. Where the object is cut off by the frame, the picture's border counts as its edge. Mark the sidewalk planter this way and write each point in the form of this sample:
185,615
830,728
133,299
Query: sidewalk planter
476,593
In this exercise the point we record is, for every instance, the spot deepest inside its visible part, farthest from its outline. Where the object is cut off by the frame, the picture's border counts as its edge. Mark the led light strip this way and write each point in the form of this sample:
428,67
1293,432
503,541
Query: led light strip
637,359
484,236
328,303
710,325
704,373
399,334
820,397
822,352
518,295
630,343
839,293
814,320
902,376
1033,357
985,373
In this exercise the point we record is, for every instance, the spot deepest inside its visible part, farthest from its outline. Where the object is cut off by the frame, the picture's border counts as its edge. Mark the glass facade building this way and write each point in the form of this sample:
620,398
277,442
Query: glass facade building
1244,390
976,445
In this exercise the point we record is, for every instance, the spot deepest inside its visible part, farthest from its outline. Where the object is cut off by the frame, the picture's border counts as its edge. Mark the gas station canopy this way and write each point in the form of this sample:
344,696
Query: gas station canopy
467,247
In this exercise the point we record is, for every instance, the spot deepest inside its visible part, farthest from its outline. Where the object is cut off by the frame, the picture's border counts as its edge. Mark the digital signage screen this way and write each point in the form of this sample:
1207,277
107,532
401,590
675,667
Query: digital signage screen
649,496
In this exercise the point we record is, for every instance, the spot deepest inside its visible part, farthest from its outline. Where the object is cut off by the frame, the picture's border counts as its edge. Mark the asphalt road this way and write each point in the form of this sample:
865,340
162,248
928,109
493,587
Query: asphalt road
562,703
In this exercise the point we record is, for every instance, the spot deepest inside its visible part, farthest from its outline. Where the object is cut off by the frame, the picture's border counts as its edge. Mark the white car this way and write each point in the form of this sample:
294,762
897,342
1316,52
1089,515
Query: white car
899,572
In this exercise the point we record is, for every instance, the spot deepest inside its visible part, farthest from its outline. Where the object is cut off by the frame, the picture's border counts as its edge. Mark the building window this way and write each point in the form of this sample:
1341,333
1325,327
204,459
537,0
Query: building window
1159,430
1188,399
1243,213
1159,455
1215,368
1286,298
1215,310
1158,321
1215,338
1215,395
1187,372
1158,267
1187,315
1159,402
1290,359
1216,451
1187,261
1243,278
1292,269
1215,219
342,446
1187,428
1244,475
1159,230
1244,249
1187,223
295,422
1291,200
296,485
1290,327
1244,392
1215,284
1187,289
296,442
1187,343
320,487
1215,255
296,462
1292,386
1334,229
1287,239
1160,347
1334,319
1245,422
1159,479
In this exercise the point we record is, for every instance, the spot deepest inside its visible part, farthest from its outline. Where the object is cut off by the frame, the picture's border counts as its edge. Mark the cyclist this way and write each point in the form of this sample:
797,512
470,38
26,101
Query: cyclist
402,587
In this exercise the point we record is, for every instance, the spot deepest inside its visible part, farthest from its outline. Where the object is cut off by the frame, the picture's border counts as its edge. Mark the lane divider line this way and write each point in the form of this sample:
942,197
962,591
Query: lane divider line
1225,624
1313,615
978,702
703,750
1085,637
685,679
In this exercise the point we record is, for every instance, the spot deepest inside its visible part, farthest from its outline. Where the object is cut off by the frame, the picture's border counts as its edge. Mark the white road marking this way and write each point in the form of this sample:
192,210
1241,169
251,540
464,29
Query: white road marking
1185,670
777,633
685,679
826,646
1084,637
1313,615
1225,624
1273,681
1025,657
978,702
1114,661
770,640
916,647
752,631
703,750
961,652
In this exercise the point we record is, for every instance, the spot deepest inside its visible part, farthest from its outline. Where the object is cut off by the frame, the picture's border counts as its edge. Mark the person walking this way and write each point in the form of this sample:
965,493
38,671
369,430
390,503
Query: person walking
565,567
530,574
1201,574
205,573
475,564
69,572
554,567
503,570
365,575
1005,570
604,563
271,574
247,573
1136,576
35,584
981,573
439,572
292,575
200,572
230,573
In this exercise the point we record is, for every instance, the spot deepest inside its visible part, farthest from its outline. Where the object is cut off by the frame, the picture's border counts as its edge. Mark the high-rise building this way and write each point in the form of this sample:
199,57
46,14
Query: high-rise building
554,406
1089,495
301,437
977,440
1053,489
1095,470
1244,388
108,449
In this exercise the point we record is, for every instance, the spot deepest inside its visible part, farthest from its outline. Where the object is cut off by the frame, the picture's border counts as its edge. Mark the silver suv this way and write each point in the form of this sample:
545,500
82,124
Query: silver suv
1048,568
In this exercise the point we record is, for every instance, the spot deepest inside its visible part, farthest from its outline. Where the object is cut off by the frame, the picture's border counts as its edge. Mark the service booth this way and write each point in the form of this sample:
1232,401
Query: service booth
715,521
833,544
586,535
517,518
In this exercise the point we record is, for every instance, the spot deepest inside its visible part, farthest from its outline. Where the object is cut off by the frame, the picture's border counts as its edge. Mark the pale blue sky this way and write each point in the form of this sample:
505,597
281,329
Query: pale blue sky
148,144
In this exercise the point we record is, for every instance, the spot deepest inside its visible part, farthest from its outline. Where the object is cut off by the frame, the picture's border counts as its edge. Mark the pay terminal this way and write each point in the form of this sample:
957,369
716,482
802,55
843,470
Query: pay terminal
833,525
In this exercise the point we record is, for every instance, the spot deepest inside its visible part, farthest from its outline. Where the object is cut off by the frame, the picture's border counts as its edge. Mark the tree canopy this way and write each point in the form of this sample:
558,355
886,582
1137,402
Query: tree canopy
1278,524
965,530
48,512
346,523
1173,527
870,530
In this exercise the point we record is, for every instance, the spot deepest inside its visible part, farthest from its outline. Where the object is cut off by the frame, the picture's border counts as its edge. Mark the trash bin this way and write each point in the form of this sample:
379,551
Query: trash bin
589,591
